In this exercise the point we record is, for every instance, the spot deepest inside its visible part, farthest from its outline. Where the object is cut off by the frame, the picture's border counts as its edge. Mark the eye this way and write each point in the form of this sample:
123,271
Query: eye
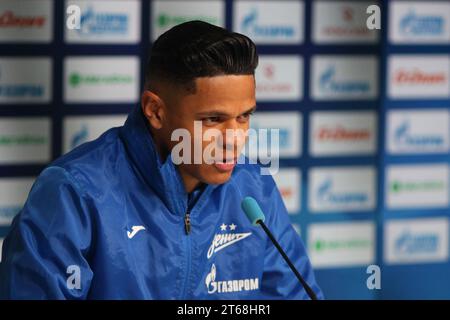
211,120
244,117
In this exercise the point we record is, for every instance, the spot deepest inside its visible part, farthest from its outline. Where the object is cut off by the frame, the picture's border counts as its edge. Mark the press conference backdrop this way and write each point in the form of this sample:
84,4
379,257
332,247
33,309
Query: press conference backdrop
363,117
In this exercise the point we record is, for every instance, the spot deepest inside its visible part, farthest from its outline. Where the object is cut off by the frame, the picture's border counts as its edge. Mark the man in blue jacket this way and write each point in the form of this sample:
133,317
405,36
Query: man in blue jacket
116,218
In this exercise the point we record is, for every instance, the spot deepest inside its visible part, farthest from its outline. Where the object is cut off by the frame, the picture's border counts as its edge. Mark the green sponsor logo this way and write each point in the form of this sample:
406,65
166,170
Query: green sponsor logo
426,185
76,79
164,19
22,139
321,245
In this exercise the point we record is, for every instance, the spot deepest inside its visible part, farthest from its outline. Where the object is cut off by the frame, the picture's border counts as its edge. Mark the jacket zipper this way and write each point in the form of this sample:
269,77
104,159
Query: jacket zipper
187,229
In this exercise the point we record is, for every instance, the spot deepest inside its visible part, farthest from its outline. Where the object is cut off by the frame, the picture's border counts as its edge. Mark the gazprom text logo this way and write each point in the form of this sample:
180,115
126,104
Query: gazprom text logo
326,194
420,25
416,240
329,83
252,25
101,23
410,243
404,137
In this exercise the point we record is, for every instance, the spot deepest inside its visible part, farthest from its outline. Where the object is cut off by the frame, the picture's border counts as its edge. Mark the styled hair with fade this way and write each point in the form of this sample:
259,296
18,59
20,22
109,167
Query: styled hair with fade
198,49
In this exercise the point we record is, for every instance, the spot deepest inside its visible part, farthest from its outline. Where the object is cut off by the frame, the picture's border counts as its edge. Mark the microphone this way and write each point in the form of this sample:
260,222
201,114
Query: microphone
256,216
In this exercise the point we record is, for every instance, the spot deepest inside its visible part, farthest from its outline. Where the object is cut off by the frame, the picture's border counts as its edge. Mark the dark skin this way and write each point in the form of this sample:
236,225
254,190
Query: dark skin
221,102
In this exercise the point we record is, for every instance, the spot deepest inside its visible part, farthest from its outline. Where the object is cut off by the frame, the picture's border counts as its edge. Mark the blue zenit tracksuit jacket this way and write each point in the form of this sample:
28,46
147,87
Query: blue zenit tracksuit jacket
108,221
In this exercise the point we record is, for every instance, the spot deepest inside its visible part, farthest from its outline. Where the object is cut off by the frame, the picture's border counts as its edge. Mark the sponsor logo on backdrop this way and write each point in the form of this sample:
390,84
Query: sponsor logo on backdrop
269,22
341,189
25,80
341,244
289,125
341,22
101,79
419,22
344,77
106,21
417,186
166,14
78,130
26,21
13,193
418,131
416,241
279,78
343,133
413,76
288,181
24,140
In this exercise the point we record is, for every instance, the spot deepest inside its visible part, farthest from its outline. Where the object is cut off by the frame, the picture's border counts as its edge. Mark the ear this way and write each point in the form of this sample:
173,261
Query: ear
153,108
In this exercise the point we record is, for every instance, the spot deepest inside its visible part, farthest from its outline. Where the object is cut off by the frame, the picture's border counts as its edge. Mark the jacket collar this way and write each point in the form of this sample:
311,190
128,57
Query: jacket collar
162,177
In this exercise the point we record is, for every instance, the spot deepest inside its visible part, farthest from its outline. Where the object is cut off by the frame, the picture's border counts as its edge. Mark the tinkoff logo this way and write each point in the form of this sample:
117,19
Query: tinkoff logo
397,186
326,194
22,140
404,137
321,245
103,23
214,286
251,25
329,83
413,24
76,79
409,243
165,20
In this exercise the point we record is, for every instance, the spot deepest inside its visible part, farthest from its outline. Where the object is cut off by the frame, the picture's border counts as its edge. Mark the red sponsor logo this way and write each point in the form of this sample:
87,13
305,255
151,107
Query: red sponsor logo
286,192
268,72
11,20
339,133
417,76
347,15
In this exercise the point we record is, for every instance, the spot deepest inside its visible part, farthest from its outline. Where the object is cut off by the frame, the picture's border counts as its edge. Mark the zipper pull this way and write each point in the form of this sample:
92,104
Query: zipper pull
187,223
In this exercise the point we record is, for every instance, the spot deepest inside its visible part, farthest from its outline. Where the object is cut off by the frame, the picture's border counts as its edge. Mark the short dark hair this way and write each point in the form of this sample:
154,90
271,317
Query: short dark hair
198,49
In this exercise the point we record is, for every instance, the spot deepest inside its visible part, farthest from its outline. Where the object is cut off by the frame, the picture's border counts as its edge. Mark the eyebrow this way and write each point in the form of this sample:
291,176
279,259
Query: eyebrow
220,113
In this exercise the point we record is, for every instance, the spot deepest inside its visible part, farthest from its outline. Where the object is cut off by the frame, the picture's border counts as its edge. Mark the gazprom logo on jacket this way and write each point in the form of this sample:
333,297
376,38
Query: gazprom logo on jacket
214,285
344,77
333,189
270,21
25,80
13,193
416,240
418,131
419,22
106,22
